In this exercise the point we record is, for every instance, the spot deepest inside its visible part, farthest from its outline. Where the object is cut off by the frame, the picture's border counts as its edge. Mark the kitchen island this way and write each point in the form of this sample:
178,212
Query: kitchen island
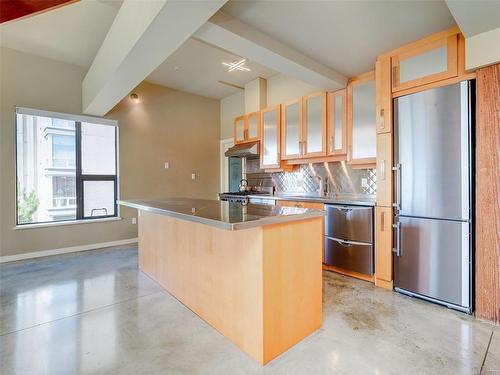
253,272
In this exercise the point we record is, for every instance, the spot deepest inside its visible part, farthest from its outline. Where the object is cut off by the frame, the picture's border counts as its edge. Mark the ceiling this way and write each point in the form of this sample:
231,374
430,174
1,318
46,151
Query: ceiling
343,35
72,33
197,67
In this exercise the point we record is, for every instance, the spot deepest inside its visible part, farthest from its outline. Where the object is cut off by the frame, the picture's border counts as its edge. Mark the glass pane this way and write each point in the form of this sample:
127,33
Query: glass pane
98,198
240,127
339,114
363,121
425,64
252,126
46,172
292,129
314,124
235,168
270,137
98,149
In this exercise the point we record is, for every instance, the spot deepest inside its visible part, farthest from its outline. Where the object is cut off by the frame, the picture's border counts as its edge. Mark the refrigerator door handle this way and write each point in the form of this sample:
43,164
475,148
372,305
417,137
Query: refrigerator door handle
397,187
397,250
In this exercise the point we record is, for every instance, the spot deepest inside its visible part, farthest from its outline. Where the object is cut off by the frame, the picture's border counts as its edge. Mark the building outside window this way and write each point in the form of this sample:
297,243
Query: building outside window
66,167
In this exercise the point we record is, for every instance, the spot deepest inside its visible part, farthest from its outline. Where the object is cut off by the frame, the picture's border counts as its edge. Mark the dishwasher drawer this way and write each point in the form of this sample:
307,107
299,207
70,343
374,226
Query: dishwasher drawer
349,255
353,223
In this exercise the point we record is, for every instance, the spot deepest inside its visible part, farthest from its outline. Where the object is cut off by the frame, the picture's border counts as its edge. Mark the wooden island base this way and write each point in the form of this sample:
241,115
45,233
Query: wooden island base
260,287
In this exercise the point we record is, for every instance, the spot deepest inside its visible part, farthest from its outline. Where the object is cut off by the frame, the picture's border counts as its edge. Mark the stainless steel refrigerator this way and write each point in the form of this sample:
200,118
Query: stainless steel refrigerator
433,194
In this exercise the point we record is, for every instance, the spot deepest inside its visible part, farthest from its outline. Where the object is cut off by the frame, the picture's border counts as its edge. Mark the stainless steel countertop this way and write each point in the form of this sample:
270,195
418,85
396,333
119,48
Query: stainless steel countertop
350,199
224,215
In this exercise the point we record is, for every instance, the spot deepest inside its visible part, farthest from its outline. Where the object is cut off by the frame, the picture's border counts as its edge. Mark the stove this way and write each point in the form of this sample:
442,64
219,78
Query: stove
241,196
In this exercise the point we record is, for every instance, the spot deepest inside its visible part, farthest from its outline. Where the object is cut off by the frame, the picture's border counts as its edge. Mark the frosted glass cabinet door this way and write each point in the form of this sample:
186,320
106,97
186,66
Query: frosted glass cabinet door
432,62
253,126
239,129
363,128
337,122
292,129
315,124
270,122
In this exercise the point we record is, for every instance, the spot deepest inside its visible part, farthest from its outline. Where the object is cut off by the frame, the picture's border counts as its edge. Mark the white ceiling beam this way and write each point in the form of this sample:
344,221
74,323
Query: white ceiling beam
142,36
237,37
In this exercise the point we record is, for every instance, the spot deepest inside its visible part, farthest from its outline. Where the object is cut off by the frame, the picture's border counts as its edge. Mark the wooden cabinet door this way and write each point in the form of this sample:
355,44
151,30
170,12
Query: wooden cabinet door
270,122
239,126
361,119
384,169
383,243
336,121
383,95
291,130
312,205
314,133
428,62
253,126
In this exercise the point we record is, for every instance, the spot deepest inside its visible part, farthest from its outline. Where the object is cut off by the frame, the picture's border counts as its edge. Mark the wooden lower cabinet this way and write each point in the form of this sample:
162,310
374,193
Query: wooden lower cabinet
383,247
312,205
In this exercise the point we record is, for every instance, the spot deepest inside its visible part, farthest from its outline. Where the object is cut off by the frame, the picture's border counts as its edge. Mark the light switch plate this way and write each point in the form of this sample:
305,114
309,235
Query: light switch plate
167,165
134,220
193,176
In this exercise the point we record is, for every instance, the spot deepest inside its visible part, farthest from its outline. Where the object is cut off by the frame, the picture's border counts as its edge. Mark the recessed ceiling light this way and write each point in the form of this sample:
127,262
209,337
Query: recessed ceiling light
237,65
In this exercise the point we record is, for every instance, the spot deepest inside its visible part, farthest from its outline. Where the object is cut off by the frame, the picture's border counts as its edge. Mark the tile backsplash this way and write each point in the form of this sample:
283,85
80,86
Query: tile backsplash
341,178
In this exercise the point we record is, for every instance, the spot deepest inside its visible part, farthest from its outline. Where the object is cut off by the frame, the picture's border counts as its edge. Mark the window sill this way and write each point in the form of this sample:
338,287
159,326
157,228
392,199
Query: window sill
61,223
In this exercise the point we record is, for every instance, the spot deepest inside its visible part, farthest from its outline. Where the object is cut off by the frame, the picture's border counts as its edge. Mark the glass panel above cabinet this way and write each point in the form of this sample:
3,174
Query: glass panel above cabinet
315,124
425,64
337,122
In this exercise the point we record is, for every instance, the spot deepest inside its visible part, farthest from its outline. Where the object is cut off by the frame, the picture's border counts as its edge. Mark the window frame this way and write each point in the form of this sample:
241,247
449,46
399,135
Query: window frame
79,177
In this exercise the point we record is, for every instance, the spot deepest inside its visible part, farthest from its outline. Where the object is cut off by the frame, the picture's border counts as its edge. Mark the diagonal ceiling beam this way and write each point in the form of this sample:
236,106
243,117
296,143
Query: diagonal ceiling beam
142,36
237,37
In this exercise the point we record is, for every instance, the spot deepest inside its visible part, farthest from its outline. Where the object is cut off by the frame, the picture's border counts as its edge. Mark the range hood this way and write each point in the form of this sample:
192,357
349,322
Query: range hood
244,150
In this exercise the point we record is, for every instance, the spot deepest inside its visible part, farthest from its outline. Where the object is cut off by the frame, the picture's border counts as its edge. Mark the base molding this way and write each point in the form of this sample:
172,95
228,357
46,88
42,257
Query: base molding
64,250
384,284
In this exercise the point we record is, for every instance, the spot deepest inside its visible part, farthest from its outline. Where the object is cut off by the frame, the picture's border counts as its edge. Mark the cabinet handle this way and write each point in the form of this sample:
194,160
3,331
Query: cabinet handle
331,144
382,222
304,145
349,153
300,147
382,119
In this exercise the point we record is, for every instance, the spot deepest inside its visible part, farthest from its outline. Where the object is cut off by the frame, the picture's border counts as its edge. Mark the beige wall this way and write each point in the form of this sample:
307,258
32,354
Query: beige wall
482,49
167,125
230,107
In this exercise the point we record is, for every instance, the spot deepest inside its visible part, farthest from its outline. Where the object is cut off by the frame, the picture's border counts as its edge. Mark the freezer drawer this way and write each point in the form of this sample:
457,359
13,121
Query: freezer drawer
353,223
349,255
434,259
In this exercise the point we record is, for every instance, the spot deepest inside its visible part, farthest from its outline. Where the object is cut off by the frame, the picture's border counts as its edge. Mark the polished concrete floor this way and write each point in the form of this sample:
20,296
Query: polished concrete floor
95,313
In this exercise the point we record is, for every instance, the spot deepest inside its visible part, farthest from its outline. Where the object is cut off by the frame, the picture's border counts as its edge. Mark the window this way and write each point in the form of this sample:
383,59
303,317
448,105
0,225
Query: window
66,167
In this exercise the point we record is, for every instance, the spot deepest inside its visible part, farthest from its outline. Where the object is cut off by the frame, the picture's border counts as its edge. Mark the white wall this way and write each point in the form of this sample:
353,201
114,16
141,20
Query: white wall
482,49
230,107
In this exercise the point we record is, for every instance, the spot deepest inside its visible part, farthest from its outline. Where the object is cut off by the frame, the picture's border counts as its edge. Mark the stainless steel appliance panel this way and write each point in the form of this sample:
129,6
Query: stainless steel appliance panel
349,255
434,259
431,153
352,223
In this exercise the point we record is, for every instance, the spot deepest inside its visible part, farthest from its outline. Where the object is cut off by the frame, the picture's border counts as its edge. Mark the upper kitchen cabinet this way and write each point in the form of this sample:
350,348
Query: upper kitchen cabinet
430,60
247,128
291,130
304,127
336,121
270,121
361,121
314,135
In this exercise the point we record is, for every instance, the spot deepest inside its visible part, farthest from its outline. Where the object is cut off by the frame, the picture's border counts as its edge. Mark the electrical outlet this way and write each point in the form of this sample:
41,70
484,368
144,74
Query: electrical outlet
134,220
193,176
364,182
167,165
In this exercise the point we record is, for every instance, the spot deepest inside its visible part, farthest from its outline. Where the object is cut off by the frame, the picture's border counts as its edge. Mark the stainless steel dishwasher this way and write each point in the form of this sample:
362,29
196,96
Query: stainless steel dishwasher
349,238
